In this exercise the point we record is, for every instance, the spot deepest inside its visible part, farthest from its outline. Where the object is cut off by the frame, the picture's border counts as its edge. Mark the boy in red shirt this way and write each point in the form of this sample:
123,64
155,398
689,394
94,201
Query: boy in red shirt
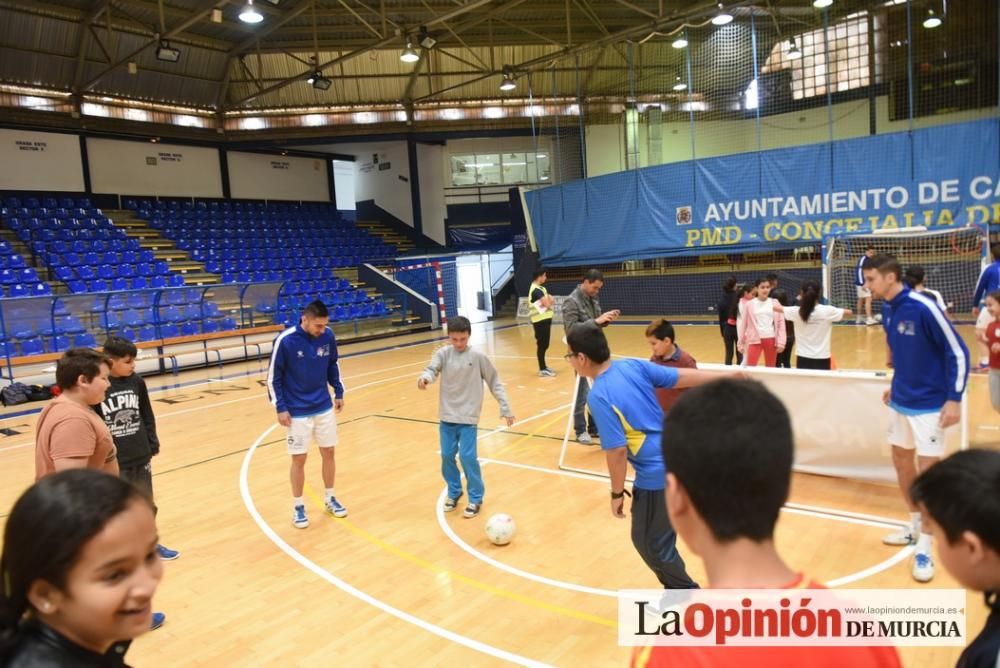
990,335
666,352
728,448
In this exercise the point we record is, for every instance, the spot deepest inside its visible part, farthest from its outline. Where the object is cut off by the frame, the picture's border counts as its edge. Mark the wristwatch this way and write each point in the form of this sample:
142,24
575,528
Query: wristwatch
619,495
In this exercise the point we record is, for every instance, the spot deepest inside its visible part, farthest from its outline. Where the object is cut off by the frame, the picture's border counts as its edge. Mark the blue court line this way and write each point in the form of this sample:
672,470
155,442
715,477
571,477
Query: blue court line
177,386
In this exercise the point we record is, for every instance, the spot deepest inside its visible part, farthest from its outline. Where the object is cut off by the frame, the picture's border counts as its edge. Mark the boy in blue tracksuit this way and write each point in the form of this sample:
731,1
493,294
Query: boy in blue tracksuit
989,281
931,368
303,363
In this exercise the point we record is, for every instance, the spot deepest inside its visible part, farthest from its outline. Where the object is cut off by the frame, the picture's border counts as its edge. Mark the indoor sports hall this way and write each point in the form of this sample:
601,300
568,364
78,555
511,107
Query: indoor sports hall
193,176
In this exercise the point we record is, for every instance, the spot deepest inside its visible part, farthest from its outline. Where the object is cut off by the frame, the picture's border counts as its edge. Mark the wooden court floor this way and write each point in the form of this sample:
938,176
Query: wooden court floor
398,583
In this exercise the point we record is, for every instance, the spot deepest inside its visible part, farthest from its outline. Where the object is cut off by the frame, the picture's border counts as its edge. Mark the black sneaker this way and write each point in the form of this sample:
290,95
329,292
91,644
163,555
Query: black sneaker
450,504
472,510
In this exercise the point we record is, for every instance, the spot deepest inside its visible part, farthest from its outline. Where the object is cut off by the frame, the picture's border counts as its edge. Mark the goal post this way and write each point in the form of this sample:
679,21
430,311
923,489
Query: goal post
952,260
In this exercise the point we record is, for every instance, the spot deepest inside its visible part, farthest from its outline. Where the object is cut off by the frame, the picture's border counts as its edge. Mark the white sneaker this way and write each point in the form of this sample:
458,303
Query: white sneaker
871,321
546,373
922,568
902,537
859,322
584,439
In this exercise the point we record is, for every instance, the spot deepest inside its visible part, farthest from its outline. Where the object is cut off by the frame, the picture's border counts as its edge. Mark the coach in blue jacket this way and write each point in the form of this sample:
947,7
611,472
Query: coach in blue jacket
931,368
303,362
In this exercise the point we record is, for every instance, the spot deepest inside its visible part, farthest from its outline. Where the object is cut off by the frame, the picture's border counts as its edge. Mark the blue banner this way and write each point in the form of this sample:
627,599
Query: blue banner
937,178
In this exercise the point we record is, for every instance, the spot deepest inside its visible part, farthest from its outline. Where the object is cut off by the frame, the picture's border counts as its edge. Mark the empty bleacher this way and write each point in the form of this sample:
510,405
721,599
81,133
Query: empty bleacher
175,271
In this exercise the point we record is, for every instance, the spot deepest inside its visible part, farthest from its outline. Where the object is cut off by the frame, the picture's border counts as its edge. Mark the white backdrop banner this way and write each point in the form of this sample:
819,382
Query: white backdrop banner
839,420
40,161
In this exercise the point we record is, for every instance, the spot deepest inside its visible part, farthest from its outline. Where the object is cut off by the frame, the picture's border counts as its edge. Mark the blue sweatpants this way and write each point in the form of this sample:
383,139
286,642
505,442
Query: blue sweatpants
460,439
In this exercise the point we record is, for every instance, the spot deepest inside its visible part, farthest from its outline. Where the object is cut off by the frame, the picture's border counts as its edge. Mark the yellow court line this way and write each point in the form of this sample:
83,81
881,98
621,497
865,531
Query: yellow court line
434,568
533,434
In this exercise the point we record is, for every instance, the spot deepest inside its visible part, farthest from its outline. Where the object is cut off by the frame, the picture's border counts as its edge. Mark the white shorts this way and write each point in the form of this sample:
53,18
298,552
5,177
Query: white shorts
321,428
917,431
984,319
863,292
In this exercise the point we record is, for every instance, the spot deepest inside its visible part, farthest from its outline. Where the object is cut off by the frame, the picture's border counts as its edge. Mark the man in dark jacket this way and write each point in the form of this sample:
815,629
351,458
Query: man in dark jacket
579,308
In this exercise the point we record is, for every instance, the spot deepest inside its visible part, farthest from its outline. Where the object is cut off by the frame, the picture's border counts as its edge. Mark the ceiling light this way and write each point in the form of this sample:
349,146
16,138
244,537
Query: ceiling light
426,41
250,14
822,4
679,84
793,50
167,53
409,55
679,43
508,82
133,68
723,17
318,81
932,20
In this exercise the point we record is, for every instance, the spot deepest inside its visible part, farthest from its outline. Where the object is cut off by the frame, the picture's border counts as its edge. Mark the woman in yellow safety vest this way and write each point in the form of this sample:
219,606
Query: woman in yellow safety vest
540,312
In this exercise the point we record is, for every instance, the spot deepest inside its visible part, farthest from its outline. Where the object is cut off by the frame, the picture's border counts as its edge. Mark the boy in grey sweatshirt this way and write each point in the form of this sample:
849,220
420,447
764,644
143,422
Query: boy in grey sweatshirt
462,372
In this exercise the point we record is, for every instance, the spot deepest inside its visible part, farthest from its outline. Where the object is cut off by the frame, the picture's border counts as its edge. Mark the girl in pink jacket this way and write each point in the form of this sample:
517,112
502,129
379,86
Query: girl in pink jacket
762,327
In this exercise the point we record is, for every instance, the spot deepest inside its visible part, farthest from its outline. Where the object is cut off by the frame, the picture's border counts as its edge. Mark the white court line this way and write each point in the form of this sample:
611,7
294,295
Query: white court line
877,568
221,403
354,591
448,531
797,509
547,411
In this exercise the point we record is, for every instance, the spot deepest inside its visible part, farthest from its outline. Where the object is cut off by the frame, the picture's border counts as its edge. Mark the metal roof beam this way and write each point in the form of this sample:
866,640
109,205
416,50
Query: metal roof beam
270,28
458,11
194,18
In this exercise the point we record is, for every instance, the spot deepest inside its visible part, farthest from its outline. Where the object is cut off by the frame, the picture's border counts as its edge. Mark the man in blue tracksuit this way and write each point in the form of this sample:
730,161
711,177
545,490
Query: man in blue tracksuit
931,369
864,294
988,282
303,362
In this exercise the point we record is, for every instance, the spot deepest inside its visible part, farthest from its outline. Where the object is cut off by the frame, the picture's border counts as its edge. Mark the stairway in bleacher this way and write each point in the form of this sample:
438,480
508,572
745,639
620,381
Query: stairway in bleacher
386,234
178,260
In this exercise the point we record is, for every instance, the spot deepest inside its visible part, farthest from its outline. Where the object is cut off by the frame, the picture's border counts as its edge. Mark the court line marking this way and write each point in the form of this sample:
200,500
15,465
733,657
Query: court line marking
457,540
354,591
813,511
440,570
194,409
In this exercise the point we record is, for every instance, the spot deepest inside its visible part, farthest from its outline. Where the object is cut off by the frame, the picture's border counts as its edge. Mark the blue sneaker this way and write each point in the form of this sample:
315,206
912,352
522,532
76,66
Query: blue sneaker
158,619
299,519
922,569
335,508
166,554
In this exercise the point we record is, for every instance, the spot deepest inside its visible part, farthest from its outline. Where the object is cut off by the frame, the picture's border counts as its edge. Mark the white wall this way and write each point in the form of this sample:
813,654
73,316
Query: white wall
143,168
258,176
40,161
343,184
432,206
373,180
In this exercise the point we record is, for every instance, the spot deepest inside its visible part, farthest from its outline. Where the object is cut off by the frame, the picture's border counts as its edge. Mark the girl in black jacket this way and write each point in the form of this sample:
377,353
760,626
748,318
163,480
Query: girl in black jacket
79,569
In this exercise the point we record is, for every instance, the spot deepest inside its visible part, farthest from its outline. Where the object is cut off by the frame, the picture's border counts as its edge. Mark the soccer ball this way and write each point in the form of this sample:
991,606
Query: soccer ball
500,528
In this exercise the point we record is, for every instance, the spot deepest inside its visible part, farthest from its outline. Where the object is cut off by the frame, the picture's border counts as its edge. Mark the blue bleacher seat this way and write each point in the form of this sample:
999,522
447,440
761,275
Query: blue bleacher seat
158,282
33,346
99,286
189,328
169,330
228,324
85,340
18,290
209,326
176,281
60,343
147,333
119,284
